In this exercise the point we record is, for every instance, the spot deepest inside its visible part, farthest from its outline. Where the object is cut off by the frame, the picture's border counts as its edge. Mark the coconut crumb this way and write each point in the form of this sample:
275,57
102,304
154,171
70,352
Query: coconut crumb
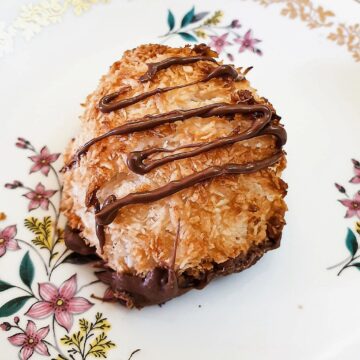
217,221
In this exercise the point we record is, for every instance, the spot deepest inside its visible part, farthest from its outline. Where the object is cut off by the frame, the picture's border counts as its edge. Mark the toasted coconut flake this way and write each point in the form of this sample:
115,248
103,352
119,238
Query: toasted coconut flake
217,223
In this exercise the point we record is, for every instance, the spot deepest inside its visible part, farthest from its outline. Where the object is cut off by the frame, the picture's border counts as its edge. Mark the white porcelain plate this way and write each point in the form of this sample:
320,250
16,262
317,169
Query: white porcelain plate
300,301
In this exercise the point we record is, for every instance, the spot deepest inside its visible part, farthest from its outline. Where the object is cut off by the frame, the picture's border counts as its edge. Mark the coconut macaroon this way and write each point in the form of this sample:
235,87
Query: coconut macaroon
193,216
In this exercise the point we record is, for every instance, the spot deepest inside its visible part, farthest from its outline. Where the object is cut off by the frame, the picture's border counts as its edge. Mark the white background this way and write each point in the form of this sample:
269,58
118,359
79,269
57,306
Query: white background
288,306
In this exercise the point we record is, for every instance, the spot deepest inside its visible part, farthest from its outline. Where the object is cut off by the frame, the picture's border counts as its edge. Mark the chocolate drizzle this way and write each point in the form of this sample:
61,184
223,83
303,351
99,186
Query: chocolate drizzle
106,105
152,121
153,68
95,203
108,212
262,125
135,159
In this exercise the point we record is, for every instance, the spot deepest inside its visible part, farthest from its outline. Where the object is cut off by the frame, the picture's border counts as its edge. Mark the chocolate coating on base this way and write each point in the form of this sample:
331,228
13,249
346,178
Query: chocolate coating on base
75,242
163,284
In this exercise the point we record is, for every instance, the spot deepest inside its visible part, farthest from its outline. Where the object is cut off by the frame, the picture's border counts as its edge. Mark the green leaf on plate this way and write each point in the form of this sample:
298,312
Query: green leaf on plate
186,20
187,36
357,265
4,285
171,20
351,242
14,305
27,270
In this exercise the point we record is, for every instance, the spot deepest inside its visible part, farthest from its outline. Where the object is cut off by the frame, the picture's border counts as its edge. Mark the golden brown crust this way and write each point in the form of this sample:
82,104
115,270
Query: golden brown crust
220,219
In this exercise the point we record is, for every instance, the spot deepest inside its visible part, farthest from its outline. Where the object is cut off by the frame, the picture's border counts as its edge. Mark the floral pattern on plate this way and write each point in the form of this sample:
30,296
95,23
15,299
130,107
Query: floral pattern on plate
57,303
352,205
202,26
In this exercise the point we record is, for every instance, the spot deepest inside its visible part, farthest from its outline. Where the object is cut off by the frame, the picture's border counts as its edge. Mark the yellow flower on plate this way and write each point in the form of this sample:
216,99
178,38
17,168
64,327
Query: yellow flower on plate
201,34
33,17
80,6
215,19
357,227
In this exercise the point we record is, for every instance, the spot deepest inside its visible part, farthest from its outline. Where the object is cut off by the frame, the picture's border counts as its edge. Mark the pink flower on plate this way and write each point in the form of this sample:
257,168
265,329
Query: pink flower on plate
353,206
235,24
5,326
43,160
22,143
247,42
7,241
59,301
14,185
31,340
39,197
356,178
219,42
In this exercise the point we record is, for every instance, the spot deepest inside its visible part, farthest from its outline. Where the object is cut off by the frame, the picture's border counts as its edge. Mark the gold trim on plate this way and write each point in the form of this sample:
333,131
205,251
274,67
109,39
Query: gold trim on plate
33,18
317,17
